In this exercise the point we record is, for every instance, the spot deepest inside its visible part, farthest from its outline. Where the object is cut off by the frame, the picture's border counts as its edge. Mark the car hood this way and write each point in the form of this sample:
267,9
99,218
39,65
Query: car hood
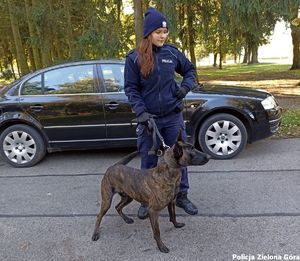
229,90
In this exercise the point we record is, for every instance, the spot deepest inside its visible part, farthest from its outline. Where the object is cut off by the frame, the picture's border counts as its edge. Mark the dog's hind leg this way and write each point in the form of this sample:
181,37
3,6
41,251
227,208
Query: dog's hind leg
106,195
153,215
171,209
125,200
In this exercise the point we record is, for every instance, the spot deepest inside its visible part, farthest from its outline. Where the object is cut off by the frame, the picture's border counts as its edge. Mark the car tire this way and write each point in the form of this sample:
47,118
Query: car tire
22,146
222,136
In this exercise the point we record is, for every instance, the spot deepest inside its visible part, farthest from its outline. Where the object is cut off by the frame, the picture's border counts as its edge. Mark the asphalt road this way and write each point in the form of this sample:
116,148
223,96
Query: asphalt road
249,209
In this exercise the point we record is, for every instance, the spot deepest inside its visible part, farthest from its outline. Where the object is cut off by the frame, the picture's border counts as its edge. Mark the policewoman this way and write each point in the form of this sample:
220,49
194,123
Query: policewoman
153,92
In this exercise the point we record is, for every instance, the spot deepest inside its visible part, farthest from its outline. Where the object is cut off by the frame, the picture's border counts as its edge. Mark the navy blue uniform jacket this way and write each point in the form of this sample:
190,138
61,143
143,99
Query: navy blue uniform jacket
157,94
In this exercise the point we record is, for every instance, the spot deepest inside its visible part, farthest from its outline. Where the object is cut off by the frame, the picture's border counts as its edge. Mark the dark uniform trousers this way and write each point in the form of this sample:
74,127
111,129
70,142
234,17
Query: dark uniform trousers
168,127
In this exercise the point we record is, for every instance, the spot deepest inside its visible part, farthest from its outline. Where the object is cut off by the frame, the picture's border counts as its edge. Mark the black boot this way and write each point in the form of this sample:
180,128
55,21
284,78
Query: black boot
183,202
143,211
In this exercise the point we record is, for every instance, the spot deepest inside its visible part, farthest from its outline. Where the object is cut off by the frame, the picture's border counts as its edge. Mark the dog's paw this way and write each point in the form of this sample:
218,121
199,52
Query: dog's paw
163,249
95,236
179,225
128,220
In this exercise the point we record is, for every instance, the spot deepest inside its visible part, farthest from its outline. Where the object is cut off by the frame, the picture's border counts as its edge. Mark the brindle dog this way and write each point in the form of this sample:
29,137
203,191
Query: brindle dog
157,187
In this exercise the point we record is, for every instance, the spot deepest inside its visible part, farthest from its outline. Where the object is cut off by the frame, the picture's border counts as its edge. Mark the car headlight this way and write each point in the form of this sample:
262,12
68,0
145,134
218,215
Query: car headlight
269,103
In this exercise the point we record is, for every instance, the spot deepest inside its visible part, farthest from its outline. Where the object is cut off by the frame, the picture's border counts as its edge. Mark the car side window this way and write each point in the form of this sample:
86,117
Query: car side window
69,80
33,86
113,77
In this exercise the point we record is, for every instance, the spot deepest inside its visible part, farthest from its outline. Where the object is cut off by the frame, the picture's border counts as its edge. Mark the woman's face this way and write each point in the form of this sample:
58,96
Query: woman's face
159,36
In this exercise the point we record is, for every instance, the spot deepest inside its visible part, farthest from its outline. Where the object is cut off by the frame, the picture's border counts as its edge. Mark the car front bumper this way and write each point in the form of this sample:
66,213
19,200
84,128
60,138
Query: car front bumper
266,123
274,116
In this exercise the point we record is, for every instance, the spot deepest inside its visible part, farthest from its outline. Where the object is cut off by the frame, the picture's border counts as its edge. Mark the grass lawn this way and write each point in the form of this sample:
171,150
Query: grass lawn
244,72
290,124
275,78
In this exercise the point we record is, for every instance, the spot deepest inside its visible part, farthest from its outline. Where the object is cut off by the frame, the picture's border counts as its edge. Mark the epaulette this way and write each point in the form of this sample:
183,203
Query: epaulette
172,46
130,52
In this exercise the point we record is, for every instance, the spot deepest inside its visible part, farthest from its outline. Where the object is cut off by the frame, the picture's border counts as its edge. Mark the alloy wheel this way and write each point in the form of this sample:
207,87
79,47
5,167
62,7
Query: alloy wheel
223,137
19,147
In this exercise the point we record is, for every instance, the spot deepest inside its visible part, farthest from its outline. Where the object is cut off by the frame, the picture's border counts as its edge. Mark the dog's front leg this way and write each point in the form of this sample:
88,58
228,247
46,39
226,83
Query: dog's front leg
153,215
171,209
95,236
106,194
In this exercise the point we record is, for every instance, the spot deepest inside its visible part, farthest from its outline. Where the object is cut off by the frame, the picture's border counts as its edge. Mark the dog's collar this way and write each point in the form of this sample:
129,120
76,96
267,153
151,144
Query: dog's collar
161,152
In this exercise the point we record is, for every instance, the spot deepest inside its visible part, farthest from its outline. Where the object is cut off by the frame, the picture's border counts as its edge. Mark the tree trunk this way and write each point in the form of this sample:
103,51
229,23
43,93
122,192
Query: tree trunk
215,60
245,59
296,48
20,52
32,34
138,21
12,69
169,10
32,66
191,36
181,22
45,38
246,55
254,56
69,38
235,58
59,49
221,49
119,7
10,58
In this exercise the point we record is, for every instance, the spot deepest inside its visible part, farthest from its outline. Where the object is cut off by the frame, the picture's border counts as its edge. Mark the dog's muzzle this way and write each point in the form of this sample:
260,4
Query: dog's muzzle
200,158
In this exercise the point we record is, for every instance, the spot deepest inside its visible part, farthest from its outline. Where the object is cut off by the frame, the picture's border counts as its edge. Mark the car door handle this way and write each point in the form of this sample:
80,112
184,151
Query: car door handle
112,105
36,107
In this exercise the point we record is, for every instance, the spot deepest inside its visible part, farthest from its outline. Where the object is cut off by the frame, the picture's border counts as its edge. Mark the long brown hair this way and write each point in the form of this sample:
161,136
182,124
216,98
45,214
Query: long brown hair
145,57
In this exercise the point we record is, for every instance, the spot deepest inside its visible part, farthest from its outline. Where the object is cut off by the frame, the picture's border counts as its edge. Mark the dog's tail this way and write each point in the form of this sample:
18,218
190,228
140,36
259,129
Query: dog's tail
127,158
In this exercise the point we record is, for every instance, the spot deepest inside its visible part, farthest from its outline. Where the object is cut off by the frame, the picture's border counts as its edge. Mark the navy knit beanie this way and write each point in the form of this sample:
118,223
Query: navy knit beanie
153,20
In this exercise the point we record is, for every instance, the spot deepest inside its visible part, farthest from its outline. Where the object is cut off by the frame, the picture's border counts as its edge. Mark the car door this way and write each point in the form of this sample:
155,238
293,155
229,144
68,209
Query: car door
67,103
119,117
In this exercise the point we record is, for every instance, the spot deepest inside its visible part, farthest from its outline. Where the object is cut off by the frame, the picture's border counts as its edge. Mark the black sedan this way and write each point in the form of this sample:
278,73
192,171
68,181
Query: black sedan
82,105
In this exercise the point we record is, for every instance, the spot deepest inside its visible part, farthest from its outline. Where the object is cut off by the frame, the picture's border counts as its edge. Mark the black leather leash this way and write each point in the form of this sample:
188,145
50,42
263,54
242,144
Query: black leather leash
155,150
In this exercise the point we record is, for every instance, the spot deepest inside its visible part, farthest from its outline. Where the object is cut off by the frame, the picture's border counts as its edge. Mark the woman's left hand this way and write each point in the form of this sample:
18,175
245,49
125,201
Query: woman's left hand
181,93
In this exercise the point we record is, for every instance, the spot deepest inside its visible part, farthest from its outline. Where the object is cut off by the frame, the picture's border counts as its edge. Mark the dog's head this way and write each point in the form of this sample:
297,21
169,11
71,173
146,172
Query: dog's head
186,154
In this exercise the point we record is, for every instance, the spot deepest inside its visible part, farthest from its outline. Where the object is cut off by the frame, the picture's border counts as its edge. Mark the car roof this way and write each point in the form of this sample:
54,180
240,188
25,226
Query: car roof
80,62
65,64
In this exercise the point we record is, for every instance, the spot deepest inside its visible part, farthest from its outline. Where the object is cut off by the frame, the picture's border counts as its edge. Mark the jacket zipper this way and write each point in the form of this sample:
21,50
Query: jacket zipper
159,89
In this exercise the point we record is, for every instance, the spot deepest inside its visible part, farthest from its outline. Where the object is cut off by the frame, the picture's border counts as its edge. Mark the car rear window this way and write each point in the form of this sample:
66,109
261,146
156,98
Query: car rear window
66,80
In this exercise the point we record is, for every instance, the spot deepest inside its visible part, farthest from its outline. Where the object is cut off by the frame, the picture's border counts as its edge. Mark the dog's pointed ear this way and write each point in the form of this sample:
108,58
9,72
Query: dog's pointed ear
177,151
179,137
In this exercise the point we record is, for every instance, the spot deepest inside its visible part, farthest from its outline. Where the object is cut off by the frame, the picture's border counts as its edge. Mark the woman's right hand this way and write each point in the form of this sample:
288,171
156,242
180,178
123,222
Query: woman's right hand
144,117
